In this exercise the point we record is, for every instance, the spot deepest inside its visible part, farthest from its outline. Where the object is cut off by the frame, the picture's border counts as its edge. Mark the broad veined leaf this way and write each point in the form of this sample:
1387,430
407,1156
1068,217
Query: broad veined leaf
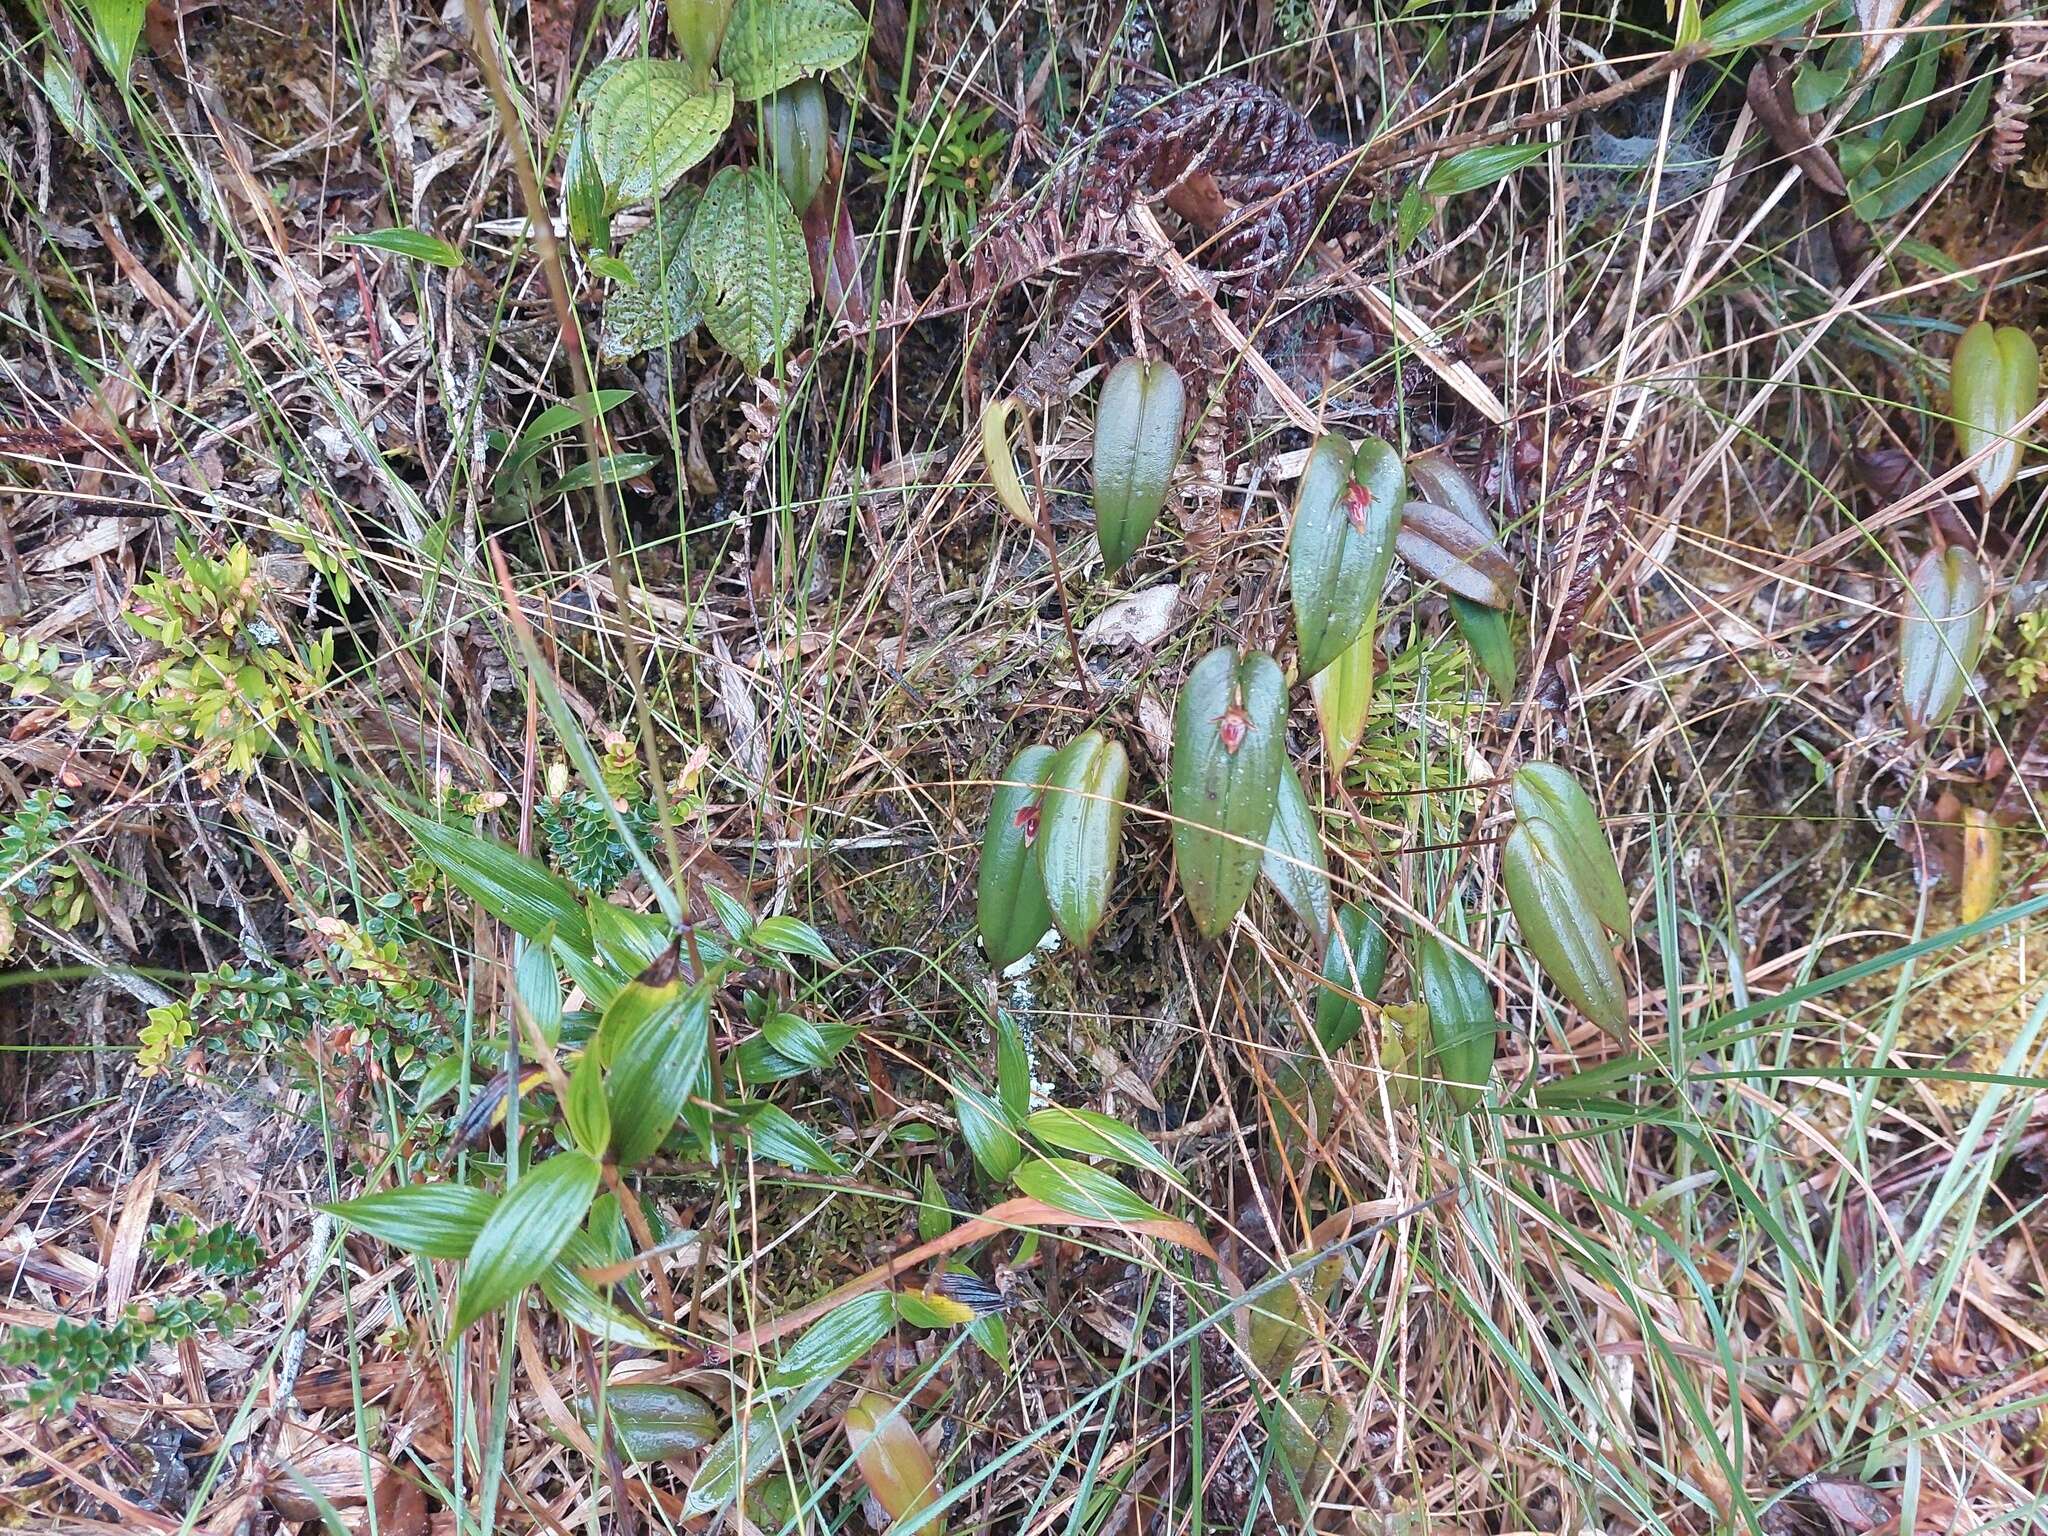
1010,903
799,1039
749,1450
836,1340
1137,444
648,124
1473,169
1742,23
1440,482
663,304
1013,1070
581,1304
649,1420
1080,830
1070,1186
588,1114
773,1134
435,1221
1311,1431
1461,1020
770,43
791,936
1354,966
747,251
1994,380
1347,511
540,989
988,1135
757,1062
1343,695
518,892
893,1462
1224,780
1097,1135
529,1226
416,244
1559,925
1545,792
609,470
1940,635
1293,862
117,29
654,1067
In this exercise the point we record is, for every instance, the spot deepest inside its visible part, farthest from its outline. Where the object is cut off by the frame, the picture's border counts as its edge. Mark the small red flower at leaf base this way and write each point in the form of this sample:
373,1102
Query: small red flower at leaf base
1026,821
1232,726
1358,507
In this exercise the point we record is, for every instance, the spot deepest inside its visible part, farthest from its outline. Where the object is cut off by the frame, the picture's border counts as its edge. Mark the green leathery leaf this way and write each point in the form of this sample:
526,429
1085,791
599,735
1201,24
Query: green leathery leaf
653,1066
798,140
650,1420
579,1303
1097,1135
1293,862
435,1221
1462,1023
770,43
526,1229
747,251
1559,927
1441,546
1941,633
1010,902
1223,784
1084,1191
648,123
1347,512
1354,966
1491,640
1343,695
1743,23
1080,826
1138,424
1994,380
1545,792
